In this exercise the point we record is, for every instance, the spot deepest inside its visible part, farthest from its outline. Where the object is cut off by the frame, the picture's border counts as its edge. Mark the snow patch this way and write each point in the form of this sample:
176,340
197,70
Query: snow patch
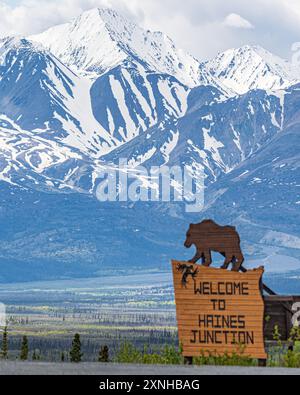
281,239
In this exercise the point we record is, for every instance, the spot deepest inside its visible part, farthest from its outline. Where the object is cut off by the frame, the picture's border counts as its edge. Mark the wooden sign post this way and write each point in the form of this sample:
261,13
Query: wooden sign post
219,312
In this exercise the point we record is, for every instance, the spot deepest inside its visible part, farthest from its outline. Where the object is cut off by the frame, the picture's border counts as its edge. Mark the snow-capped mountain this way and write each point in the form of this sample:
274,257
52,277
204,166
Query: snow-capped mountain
252,67
127,101
91,116
41,94
213,133
78,97
30,161
101,39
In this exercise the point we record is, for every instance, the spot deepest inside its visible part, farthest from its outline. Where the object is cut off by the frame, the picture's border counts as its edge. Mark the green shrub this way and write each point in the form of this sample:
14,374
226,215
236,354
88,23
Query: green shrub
172,356
225,360
291,359
169,355
280,355
129,354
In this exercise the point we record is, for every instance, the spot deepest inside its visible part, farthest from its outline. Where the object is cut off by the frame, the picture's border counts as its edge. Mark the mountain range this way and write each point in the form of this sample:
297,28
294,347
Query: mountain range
80,96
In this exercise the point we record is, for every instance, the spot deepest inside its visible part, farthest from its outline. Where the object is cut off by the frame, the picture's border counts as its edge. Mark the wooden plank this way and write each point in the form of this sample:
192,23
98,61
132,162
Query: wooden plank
233,349
193,300
272,299
189,324
206,309
188,317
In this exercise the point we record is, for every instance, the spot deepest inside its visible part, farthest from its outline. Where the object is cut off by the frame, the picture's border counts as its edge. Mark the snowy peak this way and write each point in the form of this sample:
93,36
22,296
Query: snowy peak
100,39
83,44
40,94
252,67
18,44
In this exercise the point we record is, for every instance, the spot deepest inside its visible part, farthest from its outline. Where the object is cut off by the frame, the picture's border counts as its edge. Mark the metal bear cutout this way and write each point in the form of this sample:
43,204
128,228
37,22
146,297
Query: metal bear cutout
209,236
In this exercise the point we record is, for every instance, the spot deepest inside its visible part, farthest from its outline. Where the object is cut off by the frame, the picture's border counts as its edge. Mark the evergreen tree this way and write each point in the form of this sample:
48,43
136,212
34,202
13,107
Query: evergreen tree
75,353
104,354
62,357
4,347
24,349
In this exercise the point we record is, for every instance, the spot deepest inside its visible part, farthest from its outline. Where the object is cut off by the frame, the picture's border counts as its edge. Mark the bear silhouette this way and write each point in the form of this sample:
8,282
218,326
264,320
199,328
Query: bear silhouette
209,236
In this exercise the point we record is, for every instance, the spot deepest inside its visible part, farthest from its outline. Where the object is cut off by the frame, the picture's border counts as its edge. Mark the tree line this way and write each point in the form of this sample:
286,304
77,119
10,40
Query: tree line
75,353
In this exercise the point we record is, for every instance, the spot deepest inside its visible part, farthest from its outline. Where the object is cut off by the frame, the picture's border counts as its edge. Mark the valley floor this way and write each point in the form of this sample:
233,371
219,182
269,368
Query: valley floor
110,311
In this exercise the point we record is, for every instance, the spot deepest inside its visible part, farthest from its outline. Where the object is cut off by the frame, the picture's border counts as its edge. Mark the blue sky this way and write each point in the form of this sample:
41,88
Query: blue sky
202,27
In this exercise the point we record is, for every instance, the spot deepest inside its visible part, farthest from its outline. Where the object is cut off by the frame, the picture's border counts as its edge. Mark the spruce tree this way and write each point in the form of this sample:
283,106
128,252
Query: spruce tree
24,349
4,347
62,358
75,353
104,355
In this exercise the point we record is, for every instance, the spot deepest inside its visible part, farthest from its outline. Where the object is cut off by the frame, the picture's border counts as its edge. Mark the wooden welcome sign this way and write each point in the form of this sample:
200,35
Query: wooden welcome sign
219,312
